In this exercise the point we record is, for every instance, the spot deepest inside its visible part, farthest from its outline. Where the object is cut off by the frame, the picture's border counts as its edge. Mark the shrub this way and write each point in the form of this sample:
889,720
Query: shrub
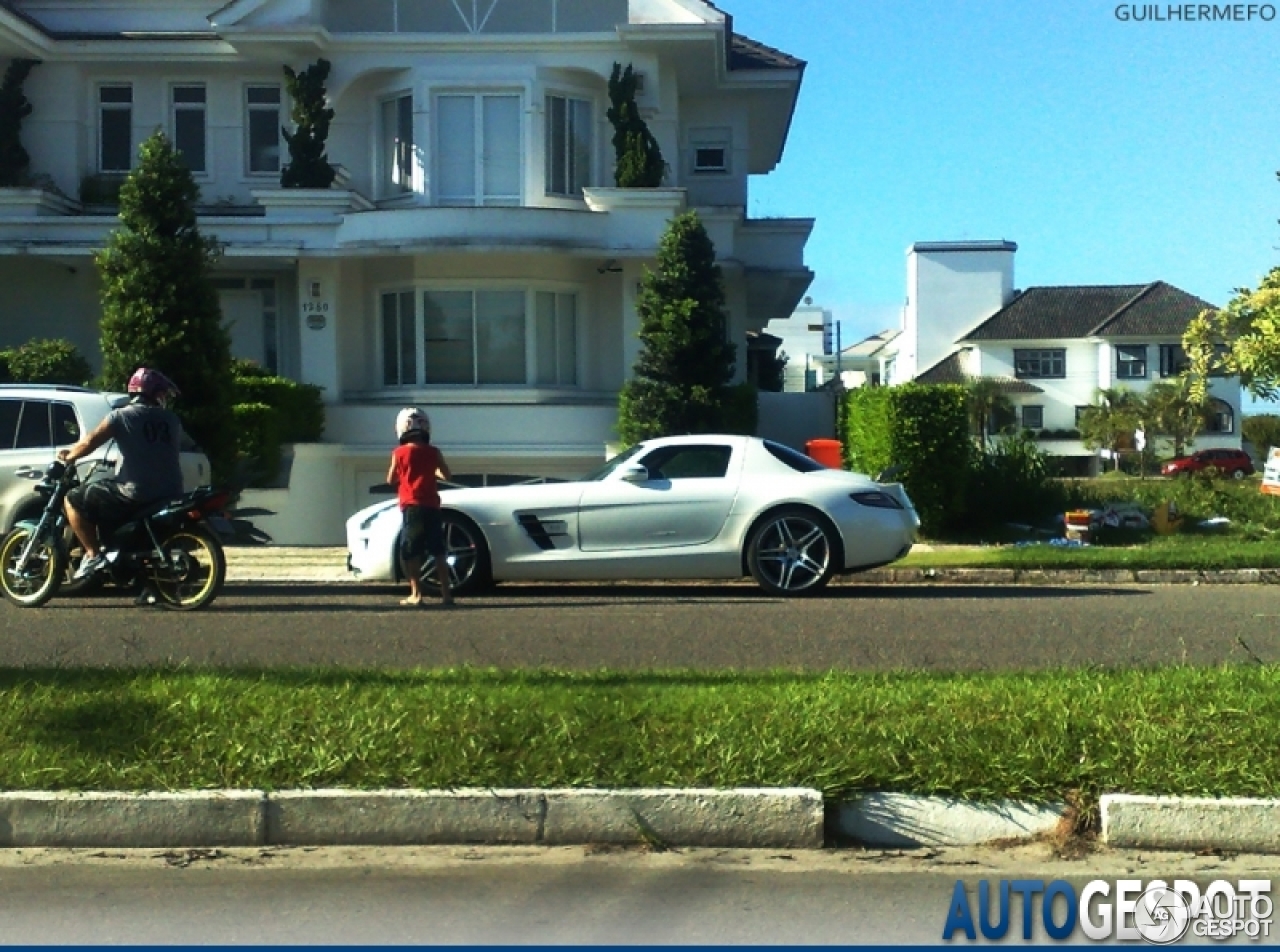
1262,430
257,442
14,107
686,360
741,408
298,406
924,430
1010,482
45,361
308,165
639,158
159,306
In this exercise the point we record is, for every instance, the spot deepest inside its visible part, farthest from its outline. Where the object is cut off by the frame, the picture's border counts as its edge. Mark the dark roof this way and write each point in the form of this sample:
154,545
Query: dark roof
746,53
948,370
1111,310
8,7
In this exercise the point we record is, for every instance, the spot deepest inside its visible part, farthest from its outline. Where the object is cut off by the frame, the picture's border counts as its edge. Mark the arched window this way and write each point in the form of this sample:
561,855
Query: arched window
1221,418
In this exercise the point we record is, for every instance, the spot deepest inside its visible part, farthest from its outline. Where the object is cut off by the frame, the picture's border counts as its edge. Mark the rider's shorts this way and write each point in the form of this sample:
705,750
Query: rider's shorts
102,502
423,533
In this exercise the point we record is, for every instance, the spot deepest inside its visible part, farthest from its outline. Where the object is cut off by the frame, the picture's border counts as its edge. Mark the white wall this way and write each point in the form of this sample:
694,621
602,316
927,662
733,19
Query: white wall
951,288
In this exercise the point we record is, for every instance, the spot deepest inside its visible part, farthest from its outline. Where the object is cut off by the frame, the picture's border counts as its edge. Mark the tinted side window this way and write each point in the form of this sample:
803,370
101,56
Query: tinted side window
689,462
66,428
10,410
793,458
33,428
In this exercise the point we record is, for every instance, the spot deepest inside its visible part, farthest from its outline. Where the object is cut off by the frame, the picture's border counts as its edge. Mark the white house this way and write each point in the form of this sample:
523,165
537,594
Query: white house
475,259
806,338
1054,347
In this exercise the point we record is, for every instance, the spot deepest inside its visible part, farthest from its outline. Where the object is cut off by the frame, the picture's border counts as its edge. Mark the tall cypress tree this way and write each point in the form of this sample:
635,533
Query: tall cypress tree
14,107
160,308
308,165
639,158
686,361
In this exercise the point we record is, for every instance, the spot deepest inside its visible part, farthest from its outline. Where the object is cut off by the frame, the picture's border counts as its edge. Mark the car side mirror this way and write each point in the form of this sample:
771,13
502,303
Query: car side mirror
634,473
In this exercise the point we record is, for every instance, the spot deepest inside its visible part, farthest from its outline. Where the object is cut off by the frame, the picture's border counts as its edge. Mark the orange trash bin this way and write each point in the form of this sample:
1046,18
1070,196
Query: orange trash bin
826,452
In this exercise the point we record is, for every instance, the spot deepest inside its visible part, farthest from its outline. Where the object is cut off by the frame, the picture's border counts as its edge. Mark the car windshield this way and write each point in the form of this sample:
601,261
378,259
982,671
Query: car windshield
604,471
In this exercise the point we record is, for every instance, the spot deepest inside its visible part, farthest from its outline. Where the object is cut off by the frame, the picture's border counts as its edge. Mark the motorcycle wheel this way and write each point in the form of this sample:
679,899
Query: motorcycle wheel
194,571
40,579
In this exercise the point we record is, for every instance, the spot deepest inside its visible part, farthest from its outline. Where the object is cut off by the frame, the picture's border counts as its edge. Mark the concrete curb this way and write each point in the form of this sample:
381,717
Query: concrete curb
287,564
773,818
788,818
904,821
1187,823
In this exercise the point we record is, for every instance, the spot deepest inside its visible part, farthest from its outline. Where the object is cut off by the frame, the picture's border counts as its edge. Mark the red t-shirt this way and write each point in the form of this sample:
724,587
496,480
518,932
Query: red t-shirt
415,471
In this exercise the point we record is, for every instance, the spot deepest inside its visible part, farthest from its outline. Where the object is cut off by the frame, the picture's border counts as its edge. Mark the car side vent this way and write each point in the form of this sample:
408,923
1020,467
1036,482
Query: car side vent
543,534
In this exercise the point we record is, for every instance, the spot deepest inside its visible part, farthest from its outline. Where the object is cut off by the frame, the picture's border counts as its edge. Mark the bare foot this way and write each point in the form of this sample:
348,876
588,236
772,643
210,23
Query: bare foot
413,601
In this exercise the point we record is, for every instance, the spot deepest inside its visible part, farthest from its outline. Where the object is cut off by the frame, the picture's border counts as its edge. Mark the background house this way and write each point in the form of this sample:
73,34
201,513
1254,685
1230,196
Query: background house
807,336
1053,346
475,258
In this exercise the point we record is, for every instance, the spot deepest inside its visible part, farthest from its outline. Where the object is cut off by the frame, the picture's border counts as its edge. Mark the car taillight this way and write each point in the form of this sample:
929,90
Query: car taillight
876,499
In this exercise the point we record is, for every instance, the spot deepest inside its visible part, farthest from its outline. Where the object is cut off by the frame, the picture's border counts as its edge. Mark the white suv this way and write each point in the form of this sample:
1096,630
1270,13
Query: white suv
37,419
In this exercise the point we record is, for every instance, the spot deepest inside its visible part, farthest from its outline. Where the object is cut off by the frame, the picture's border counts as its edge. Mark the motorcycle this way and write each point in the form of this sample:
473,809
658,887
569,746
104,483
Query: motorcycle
170,547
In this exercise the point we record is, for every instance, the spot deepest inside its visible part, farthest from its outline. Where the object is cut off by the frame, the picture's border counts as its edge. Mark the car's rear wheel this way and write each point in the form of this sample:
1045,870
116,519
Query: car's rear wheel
1239,474
792,552
467,555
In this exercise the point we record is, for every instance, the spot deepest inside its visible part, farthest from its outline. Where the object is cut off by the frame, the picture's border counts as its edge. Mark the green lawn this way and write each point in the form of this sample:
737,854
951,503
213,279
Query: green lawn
1039,736
1187,551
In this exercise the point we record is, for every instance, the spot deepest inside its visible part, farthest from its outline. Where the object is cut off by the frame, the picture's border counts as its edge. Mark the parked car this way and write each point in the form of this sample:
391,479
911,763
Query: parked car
37,419
1234,463
705,507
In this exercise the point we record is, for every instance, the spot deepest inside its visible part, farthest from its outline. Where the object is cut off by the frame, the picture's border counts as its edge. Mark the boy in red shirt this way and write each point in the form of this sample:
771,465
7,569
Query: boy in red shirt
415,466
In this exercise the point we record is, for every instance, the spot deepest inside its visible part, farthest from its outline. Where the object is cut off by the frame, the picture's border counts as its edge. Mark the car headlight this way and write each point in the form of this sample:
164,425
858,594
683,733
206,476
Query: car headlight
876,499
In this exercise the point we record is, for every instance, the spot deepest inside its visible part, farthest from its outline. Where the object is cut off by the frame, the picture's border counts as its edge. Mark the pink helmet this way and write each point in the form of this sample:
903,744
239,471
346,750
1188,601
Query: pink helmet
151,384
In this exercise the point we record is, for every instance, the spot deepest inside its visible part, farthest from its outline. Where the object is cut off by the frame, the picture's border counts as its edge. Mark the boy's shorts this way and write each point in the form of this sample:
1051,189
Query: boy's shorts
423,533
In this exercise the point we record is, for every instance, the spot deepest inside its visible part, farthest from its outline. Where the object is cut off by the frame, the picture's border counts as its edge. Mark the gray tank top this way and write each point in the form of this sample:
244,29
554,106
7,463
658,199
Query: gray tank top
148,438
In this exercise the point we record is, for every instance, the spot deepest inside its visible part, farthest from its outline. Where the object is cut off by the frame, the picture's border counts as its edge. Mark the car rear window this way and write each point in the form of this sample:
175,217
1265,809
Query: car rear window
10,410
66,428
33,426
793,458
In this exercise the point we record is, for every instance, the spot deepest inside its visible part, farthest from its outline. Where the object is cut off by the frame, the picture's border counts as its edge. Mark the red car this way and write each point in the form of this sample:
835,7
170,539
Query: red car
1233,463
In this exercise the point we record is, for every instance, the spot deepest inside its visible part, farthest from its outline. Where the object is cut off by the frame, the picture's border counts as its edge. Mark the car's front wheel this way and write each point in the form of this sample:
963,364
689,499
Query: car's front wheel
466,553
1239,474
792,552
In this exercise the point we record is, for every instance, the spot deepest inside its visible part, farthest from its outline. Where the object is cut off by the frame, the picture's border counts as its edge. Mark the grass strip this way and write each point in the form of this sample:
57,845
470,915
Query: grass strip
1188,731
1196,553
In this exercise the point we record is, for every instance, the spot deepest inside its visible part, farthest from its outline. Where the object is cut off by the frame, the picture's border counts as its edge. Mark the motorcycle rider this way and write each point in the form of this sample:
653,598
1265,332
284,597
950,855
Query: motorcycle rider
149,436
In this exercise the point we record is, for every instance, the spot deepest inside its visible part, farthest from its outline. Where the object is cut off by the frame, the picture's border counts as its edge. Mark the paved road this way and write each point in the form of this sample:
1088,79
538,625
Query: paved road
946,628
518,896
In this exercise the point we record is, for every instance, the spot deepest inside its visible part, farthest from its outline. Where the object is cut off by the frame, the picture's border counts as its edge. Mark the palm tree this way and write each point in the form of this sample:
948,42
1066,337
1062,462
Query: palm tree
1174,412
1110,422
987,402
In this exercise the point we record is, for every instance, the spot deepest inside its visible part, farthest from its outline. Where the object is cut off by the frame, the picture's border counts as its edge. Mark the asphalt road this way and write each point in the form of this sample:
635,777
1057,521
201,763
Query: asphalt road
525,895
943,628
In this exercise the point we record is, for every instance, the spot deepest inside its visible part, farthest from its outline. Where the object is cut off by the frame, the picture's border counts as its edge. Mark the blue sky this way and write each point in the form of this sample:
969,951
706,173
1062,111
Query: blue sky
1112,152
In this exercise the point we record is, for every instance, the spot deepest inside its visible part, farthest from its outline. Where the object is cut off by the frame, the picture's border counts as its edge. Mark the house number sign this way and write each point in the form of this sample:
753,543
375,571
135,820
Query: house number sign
316,313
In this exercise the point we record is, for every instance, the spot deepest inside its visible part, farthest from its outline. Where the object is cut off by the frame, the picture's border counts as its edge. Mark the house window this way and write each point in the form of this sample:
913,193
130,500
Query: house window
709,151
1131,362
1173,360
399,340
478,157
479,338
1220,419
1033,418
397,145
556,337
1040,363
569,147
115,128
262,120
189,125
1080,411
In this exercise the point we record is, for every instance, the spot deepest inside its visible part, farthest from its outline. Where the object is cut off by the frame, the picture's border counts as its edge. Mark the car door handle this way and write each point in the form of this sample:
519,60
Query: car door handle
29,473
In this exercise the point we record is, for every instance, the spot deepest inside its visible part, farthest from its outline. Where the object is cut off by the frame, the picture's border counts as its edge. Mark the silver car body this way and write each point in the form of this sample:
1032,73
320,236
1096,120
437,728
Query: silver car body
30,411
627,523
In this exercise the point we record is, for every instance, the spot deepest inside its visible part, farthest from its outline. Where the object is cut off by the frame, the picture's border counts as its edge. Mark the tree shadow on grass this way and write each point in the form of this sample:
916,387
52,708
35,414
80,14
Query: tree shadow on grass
122,729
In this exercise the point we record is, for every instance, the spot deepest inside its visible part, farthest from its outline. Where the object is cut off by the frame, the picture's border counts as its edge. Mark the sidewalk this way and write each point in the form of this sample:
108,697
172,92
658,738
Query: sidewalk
328,565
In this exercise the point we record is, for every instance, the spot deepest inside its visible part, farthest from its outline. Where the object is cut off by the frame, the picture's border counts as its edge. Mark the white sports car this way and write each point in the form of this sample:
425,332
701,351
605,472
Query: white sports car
688,507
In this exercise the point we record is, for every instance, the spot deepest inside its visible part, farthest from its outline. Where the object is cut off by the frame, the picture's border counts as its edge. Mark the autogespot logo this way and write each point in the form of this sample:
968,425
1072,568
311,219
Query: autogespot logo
1194,12
1128,910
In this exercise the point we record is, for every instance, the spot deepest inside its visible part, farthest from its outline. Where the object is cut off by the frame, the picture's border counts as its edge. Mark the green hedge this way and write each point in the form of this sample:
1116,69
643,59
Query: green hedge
922,429
45,361
300,409
257,441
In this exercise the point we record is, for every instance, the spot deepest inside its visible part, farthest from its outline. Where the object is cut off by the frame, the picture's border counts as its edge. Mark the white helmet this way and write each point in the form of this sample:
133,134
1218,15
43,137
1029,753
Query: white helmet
412,420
